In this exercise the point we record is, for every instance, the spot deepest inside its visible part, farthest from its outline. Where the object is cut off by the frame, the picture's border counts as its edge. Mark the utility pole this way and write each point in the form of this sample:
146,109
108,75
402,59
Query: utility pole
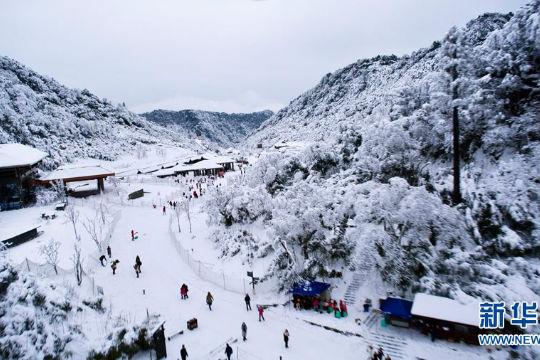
453,38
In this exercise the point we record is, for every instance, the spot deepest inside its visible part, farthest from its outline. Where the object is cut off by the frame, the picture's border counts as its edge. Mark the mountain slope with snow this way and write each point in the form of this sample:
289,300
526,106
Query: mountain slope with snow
372,184
69,123
217,127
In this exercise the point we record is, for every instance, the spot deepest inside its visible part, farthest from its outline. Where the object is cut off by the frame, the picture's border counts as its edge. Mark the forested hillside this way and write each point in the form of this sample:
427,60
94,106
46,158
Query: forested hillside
372,185
68,123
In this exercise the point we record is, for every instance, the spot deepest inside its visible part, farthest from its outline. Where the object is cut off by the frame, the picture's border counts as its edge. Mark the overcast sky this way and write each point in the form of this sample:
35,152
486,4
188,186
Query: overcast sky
222,55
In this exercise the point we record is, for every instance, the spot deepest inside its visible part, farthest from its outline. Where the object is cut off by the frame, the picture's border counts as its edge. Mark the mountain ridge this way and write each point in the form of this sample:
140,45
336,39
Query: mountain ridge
69,123
224,129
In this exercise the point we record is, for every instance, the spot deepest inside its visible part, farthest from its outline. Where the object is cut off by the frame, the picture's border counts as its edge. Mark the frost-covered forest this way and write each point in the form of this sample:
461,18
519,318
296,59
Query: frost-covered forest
372,185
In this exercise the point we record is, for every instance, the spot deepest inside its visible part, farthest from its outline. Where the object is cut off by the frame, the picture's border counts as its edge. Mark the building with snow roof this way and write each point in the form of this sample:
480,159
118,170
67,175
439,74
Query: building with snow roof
18,170
446,318
225,161
199,168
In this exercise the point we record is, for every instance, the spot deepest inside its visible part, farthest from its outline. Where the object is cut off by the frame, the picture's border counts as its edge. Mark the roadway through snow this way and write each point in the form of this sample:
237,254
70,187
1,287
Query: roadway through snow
163,271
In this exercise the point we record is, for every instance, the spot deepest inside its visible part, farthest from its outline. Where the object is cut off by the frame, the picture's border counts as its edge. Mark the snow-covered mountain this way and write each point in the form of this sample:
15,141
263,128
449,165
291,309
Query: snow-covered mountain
371,187
217,127
68,123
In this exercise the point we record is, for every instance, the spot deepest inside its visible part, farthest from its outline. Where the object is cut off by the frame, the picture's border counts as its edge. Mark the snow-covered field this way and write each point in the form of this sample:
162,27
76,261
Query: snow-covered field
164,269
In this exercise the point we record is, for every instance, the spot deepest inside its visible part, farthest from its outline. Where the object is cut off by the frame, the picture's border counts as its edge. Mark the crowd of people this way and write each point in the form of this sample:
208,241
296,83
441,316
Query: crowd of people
321,305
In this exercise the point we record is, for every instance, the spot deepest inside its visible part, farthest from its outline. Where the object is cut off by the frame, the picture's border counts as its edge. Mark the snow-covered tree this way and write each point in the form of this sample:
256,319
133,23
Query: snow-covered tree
72,216
186,207
76,259
50,252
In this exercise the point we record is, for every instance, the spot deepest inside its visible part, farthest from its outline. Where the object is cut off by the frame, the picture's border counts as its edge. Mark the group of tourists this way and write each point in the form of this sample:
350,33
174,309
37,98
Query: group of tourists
114,263
325,305
243,326
103,258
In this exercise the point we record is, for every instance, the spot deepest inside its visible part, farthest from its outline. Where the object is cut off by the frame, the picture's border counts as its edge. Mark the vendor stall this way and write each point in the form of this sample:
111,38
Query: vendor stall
307,293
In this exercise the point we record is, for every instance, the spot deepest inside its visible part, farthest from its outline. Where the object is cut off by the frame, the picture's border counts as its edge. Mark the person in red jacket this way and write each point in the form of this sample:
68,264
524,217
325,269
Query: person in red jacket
315,304
343,308
184,291
261,312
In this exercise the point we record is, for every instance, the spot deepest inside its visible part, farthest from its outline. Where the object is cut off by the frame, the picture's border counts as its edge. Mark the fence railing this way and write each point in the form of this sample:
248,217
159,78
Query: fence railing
48,270
204,270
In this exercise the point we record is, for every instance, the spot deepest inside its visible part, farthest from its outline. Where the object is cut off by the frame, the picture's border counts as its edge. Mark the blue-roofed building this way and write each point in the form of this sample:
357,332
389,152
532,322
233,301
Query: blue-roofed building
397,311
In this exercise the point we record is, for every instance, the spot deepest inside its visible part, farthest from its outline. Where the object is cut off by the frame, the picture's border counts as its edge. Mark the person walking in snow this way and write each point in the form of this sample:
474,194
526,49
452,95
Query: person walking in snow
184,291
109,252
247,299
244,331
228,351
137,265
133,235
164,210
286,338
103,260
209,300
183,352
114,265
261,312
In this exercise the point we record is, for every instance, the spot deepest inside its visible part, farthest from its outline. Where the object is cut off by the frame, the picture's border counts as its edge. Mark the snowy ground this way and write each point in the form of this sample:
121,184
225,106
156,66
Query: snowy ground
164,270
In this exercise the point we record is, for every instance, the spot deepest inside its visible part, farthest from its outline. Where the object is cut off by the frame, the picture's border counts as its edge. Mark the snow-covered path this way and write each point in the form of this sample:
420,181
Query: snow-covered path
163,272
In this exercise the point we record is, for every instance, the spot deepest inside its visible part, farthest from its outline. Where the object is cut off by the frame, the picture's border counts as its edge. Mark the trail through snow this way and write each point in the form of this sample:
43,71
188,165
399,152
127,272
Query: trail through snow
163,272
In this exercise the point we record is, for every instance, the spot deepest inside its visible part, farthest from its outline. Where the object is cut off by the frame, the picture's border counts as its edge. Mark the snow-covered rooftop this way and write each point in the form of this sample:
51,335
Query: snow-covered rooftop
13,155
222,159
165,172
64,173
437,307
201,165
7,233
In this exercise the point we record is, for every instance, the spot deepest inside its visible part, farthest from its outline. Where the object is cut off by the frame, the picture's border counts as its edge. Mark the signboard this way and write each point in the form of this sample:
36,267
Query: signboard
136,194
